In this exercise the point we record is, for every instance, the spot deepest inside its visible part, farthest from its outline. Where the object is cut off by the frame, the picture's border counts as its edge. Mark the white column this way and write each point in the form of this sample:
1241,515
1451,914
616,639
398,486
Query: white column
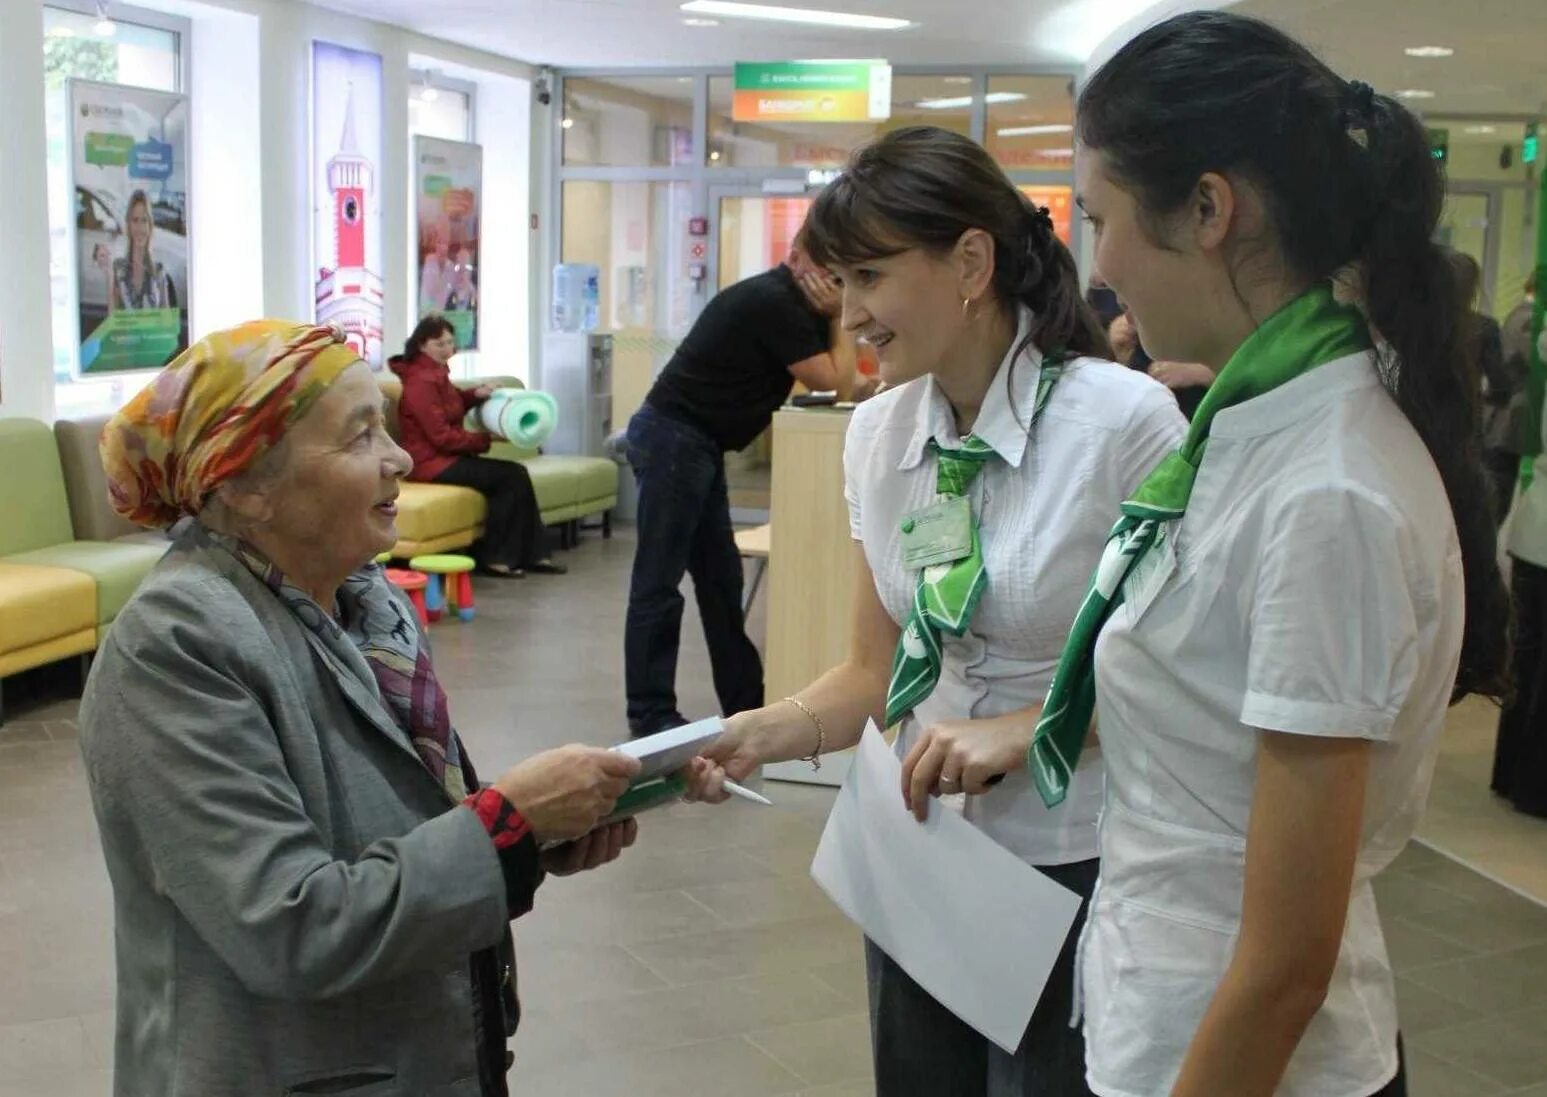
26,339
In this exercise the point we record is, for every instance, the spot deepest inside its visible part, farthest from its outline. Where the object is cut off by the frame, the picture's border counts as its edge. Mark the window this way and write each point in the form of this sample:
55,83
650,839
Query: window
137,53
944,101
441,108
628,121
1031,122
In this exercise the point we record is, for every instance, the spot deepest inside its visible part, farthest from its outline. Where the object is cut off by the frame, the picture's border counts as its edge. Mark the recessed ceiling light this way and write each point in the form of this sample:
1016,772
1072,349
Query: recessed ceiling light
735,9
957,102
1415,93
1057,154
568,123
701,22
958,79
1482,129
1033,131
1429,51
714,154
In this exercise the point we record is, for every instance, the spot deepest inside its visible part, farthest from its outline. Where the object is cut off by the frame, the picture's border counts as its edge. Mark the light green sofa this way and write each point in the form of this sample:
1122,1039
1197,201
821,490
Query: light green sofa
439,517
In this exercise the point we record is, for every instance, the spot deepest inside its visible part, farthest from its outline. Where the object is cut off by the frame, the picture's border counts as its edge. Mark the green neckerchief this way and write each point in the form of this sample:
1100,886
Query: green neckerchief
1310,331
947,594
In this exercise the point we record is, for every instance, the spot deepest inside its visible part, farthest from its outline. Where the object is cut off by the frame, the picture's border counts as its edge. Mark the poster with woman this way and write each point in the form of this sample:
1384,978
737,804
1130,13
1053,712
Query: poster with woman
448,186
129,168
346,227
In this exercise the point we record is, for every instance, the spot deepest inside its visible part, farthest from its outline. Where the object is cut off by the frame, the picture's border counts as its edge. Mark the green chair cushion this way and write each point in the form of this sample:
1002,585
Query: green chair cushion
589,477
117,566
34,509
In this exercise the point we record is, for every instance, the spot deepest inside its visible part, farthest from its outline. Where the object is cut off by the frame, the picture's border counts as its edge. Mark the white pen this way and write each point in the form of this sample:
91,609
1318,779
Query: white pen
746,794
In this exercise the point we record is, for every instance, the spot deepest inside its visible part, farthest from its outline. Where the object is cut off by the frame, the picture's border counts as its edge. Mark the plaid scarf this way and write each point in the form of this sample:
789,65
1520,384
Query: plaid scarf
373,624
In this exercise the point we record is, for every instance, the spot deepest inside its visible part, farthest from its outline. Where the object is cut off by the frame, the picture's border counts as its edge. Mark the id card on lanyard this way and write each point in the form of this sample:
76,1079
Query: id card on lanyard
940,533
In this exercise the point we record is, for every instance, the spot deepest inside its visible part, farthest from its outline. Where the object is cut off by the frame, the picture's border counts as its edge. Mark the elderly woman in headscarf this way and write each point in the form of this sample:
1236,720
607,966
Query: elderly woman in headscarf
312,890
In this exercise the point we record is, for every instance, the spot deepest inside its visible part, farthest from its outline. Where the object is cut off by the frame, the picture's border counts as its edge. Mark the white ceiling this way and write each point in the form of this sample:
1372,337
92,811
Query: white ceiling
652,33
1500,64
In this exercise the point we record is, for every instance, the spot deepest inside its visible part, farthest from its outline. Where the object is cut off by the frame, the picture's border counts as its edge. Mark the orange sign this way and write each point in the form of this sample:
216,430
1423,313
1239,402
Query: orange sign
1060,206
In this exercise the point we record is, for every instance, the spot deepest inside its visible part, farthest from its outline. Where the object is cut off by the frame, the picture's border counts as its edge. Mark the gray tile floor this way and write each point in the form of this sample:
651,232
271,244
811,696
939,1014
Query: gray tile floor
705,958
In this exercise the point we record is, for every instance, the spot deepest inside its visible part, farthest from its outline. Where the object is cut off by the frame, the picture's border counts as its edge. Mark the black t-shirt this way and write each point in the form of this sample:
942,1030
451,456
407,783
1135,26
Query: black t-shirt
732,371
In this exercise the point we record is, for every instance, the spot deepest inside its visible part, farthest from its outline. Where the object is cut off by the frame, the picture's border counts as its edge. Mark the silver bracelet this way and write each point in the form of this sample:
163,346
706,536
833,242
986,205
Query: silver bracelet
815,757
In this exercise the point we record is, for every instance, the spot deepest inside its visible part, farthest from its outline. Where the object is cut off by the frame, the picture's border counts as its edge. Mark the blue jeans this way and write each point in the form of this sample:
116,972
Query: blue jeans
684,527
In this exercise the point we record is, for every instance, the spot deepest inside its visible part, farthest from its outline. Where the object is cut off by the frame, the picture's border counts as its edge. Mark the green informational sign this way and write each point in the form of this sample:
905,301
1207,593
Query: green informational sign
1439,145
465,323
132,339
813,91
1531,147
109,150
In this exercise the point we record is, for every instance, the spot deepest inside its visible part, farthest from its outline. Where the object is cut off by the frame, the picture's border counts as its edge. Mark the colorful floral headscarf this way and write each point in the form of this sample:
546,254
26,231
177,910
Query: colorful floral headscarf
213,412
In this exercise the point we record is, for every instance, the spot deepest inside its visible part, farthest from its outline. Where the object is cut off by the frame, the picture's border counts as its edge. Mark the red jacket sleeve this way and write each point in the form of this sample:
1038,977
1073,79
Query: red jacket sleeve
469,401
421,406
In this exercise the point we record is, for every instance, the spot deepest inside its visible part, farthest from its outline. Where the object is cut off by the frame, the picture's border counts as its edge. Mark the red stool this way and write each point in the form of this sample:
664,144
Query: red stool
412,583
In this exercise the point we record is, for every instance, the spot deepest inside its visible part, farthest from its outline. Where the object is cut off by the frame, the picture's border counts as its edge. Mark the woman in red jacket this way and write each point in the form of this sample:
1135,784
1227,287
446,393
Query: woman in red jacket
430,414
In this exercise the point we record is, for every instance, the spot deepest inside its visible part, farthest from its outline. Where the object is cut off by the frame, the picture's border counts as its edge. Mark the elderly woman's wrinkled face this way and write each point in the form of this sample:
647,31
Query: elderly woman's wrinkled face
335,500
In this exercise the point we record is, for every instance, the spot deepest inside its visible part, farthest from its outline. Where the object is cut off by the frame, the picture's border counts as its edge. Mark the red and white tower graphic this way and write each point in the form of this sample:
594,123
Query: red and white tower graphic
348,293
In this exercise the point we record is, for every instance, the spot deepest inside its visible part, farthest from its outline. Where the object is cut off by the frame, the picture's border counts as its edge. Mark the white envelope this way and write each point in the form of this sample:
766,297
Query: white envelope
971,922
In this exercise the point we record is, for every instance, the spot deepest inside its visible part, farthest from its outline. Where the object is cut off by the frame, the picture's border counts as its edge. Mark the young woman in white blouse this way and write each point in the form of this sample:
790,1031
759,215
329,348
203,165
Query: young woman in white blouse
997,409
1289,602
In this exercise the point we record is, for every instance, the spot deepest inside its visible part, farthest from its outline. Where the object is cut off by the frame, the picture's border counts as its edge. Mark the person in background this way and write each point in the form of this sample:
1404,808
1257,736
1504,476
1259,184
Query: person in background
1502,390
430,416
1520,427
1290,601
1188,381
734,369
311,886
998,392
1520,754
135,279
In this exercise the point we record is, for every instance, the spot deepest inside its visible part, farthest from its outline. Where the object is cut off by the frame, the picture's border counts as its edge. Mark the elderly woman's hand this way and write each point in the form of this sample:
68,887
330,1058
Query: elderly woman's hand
562,794
592,851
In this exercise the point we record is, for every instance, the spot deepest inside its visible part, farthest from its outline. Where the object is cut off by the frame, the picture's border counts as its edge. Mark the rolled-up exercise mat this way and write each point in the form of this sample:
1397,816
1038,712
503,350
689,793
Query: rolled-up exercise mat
521,416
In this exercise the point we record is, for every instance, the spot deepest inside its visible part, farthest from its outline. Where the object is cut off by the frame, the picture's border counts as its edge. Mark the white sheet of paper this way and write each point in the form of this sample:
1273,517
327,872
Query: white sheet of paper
971,922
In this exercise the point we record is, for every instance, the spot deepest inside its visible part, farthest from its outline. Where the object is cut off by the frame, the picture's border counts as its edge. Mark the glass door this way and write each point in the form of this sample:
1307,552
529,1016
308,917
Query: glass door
750,232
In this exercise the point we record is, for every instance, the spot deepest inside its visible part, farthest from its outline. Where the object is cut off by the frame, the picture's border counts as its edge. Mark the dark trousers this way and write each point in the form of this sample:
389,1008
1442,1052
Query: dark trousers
684,527
513,533
922,1049
1520,758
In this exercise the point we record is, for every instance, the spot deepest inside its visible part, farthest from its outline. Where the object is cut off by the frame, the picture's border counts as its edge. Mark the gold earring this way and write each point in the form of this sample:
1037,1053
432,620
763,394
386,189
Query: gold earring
966,304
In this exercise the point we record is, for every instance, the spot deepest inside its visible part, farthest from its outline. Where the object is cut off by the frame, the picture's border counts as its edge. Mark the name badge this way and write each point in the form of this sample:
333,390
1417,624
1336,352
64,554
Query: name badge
937,534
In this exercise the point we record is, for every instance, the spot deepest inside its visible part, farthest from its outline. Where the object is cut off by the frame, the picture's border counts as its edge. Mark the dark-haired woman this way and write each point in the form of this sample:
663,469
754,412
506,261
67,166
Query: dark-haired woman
430,417
1292,599
998,405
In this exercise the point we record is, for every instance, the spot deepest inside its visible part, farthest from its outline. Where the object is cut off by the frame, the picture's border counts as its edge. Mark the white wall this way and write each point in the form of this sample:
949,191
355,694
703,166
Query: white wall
251,203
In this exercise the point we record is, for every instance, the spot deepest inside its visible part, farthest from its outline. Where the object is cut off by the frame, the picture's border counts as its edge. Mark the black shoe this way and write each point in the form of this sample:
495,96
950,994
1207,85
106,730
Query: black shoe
547,567
500,571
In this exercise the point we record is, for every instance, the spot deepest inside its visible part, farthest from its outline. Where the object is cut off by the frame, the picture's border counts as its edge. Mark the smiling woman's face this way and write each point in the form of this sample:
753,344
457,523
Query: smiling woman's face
334,498
907,306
